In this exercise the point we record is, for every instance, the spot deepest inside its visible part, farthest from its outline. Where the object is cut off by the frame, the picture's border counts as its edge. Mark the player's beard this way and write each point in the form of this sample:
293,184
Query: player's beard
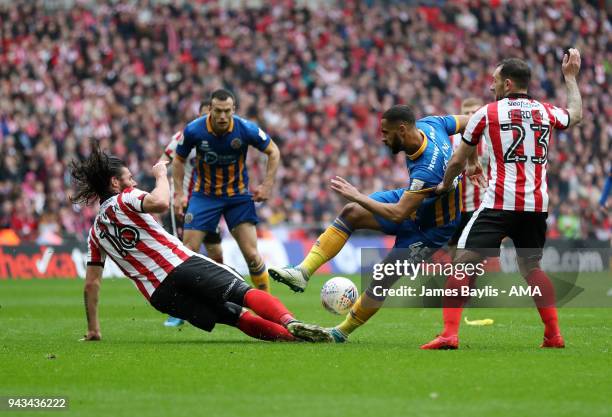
392,149
396,145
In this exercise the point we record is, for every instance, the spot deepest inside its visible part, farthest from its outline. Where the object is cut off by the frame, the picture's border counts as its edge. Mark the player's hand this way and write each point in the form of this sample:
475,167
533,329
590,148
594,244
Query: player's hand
441,189
444,189
475,174
92,336
160,169
344,188
180,204
261,193
571,63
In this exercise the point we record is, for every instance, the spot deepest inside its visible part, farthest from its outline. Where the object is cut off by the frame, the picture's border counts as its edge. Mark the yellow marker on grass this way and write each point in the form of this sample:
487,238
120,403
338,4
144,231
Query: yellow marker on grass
483,322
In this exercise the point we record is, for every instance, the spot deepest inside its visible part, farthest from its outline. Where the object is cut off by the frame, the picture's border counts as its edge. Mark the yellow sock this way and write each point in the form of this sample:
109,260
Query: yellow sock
259,277
328,245
362,310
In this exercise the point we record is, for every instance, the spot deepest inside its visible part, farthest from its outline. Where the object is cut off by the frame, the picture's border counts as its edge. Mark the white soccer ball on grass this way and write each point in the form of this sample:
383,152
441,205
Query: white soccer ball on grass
338,295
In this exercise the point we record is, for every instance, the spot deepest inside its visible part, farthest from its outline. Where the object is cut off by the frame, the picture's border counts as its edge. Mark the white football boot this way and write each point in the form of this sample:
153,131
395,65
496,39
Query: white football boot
292,277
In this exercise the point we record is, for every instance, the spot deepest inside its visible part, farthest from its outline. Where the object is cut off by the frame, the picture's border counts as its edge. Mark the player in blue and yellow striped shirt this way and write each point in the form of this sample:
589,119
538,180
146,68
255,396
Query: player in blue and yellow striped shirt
420,220
221,186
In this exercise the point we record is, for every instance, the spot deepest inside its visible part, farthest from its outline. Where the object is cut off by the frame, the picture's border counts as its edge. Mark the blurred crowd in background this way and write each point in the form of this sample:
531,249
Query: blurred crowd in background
129,74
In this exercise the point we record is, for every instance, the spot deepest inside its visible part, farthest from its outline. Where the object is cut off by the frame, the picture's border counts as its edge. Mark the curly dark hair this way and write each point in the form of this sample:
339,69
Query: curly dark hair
91,177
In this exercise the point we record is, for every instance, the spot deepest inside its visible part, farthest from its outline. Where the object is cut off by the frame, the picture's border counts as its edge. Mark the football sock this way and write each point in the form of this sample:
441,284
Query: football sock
259,277
452,319
267,306
263,329
327,246
452,307
362,310
545,302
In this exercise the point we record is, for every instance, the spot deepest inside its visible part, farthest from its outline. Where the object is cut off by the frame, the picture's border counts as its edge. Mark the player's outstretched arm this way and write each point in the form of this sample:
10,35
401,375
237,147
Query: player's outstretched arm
397,212
455,166
93,279
462,121
158,200
474,171
262,192
570,68
178,174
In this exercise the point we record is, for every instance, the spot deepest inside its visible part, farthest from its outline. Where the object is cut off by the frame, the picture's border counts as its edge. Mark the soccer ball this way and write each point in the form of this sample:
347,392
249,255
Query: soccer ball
338,295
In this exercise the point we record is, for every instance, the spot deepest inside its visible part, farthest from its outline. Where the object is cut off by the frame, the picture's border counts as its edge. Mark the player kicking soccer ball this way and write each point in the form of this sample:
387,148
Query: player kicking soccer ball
174,279
420,220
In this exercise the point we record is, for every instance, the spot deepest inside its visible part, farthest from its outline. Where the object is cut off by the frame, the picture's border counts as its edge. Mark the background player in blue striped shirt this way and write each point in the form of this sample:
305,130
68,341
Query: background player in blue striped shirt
221,140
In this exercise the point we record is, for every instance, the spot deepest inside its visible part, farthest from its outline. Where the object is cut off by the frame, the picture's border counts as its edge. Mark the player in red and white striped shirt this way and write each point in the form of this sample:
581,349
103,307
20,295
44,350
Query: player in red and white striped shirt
471,195
517,130
171,277
170,154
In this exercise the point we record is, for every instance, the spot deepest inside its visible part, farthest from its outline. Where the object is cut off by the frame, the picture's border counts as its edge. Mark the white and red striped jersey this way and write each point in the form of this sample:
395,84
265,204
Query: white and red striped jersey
472,195
518,131
170,152
142,249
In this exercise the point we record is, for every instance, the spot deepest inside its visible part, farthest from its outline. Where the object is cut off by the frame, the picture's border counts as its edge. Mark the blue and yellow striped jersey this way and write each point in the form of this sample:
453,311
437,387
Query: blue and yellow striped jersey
427,167
220,169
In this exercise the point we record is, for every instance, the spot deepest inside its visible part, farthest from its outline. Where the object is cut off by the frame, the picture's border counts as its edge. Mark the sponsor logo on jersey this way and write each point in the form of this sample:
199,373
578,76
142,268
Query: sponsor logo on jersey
434,158
211,157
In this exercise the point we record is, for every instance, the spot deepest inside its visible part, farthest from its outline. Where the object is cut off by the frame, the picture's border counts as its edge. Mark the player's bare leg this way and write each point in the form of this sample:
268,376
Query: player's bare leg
193,239
330,242
545,303
212,243
214,251
246,237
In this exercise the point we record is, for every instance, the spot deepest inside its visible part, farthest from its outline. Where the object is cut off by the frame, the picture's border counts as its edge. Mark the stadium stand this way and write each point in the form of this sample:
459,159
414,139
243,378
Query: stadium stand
129,74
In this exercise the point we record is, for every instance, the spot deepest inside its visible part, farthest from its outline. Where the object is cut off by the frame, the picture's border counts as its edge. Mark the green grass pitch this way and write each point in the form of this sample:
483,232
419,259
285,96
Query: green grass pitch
144,369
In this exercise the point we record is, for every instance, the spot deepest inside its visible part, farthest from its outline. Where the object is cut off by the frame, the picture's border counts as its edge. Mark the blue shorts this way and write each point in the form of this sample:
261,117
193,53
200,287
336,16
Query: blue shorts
409,232
204,212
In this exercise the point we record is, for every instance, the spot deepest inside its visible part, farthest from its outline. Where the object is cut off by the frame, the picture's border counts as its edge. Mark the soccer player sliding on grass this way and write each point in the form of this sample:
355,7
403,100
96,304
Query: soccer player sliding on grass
420,220
517,129
174,279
